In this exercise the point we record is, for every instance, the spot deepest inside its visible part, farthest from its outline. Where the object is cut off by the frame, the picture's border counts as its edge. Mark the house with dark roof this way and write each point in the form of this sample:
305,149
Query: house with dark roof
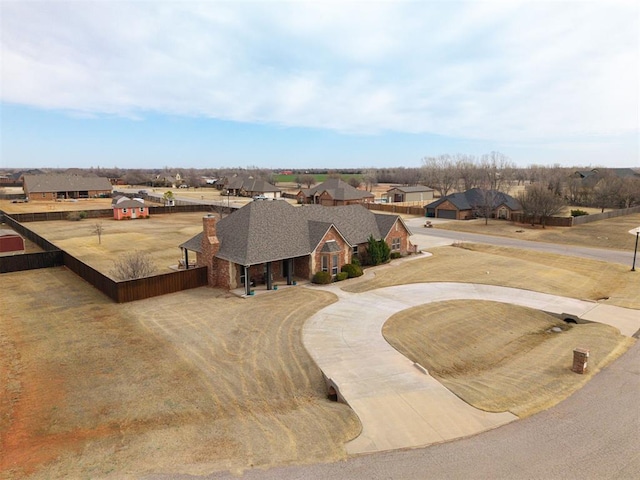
273,241
472,204
62,187
248,186
334,192
416,193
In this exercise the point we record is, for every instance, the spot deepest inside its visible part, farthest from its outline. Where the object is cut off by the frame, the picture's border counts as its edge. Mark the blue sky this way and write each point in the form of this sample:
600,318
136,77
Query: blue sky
326,84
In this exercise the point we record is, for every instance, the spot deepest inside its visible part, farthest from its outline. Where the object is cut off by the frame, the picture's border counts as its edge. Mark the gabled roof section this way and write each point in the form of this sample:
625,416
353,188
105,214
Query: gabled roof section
274,230
475,197
64,183
338,190
131,203
194,243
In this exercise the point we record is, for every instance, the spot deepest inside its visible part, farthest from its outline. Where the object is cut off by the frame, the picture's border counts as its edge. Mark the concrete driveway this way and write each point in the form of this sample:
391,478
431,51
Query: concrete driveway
398,403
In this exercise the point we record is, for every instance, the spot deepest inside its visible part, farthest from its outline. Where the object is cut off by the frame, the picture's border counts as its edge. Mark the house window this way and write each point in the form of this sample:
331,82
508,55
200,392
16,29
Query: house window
142,209
325,263
395,244
124,210
334,266
355,250
44,195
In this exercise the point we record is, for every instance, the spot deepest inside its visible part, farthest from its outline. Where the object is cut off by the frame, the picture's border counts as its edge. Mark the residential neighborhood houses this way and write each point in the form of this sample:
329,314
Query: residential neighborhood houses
332,192
474,203
65,187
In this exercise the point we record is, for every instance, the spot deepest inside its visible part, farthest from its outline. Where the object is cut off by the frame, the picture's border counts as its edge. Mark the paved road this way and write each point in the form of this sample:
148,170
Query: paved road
424,237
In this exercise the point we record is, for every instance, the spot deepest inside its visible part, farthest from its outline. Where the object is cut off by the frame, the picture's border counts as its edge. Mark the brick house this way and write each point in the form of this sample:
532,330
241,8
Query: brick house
416,193
334,192
125,208
472,204
273,241
62,187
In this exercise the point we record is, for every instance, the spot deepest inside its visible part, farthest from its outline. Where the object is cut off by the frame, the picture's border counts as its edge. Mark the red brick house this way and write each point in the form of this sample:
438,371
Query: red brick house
126,208
273,241
334,192
62,187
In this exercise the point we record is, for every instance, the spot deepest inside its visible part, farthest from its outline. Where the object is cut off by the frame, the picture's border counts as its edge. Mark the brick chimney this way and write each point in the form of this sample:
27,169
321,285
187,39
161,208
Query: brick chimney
209,225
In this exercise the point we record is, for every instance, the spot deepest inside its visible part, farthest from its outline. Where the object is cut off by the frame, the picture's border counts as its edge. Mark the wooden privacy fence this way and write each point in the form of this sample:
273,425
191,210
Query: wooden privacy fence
31,261
398,209
124,291
594,217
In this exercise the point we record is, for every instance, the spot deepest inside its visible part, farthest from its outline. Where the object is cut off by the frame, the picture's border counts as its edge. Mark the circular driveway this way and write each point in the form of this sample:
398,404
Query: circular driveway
398,403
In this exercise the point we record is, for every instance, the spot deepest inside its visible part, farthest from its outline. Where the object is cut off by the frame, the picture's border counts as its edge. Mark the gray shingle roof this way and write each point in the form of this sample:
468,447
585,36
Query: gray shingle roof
338,189
64,183
129,204
476,197
274,230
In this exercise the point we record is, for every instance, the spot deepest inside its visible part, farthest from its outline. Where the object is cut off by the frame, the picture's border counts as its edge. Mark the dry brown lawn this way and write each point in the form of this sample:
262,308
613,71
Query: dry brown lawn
500,357
159,236
610,233
191,382
491,265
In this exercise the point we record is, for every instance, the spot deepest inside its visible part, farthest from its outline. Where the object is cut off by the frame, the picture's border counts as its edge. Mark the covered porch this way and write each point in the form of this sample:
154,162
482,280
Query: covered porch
272,275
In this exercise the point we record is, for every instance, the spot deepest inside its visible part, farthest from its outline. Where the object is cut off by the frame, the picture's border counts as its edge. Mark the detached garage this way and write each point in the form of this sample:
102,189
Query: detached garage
10,243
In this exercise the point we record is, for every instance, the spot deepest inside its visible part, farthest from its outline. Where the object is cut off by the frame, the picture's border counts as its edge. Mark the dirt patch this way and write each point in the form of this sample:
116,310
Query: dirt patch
192,382
500,357
529,270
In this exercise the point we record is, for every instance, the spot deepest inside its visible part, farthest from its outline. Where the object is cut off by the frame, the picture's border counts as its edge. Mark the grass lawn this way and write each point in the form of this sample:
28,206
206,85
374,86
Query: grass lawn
500,357
611,233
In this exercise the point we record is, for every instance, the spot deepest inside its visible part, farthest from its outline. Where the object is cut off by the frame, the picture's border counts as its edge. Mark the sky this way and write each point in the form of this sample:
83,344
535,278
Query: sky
317,84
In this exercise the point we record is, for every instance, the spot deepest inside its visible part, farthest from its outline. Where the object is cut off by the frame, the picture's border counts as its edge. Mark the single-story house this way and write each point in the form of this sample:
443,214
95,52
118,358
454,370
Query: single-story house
417,193
125,208
472,204
265,242
62,187
248,186
334,192
11,243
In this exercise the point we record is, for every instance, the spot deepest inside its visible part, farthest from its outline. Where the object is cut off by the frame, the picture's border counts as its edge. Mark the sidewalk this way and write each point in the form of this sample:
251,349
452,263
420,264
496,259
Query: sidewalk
399,405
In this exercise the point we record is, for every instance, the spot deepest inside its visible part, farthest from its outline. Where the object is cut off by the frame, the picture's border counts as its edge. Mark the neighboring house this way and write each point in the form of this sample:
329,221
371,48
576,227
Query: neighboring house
334,192
247,186
418,193
167,180
11,243
125,208
264,242
62,187
471,204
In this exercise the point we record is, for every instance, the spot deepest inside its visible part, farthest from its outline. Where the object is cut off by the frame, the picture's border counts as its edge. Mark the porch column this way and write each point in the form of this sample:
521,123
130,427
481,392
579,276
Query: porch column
247,282
269,279
186,259
289,271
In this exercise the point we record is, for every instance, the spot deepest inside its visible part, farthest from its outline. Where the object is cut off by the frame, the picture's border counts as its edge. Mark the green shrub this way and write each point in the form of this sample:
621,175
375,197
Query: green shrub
83,215
378,251
394,255
74,216
578,213
355,261
352,270
322,278
341,276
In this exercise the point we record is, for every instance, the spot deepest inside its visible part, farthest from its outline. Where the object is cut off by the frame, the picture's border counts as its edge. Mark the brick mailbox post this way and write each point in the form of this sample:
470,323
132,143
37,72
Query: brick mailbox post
580,357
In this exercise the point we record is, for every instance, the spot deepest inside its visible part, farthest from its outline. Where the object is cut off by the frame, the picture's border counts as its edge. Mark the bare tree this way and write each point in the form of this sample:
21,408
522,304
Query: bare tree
468,172
497,171
307,180
133,265
98,229
539,202
629,192
605,192
354,182
370,178
439,173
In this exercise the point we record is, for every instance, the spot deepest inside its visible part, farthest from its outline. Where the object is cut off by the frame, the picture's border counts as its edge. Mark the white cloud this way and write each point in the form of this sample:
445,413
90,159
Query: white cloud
485,70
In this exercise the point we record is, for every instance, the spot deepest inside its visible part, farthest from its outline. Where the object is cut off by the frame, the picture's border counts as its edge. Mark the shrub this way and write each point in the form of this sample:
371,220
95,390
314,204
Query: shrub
322,278
341,276
83,215
74,216
352,270
378,251
355,261
578,213
394,255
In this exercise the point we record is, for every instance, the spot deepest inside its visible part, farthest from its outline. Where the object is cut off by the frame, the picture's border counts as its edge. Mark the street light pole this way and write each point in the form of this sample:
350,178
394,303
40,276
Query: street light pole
635,252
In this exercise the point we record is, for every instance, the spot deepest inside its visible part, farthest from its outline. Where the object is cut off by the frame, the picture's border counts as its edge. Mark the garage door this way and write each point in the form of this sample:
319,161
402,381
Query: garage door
447,214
